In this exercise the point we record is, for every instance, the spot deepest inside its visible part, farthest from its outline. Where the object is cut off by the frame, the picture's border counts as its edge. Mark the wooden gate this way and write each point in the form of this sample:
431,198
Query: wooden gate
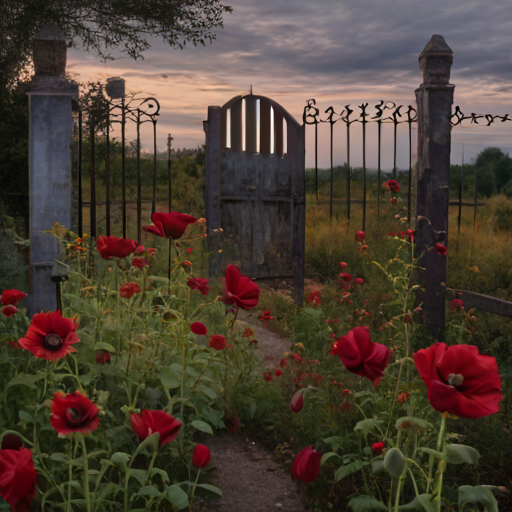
255,187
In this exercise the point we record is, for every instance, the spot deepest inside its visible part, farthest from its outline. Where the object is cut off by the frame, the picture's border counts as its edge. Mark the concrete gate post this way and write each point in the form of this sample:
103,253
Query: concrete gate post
50,130
434,99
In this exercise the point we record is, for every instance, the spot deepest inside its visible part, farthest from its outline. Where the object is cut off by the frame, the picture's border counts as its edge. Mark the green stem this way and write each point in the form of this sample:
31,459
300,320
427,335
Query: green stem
191,502
85,466
150,469
399,487
69,508
441,446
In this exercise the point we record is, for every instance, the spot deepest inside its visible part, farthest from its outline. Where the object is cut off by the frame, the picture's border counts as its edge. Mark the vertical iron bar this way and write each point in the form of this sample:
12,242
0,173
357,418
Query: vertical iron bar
348,170
123,162
153,205
107,163
93,180
410,173
394,149
316,161
364,171
461,184
379,126
332,175
139,187
474,200
79,179
169,168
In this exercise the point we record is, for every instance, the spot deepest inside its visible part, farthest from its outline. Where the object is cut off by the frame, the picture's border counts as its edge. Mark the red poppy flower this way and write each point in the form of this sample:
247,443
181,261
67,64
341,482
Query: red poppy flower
441,249
201,457
74,413
111,246
139,250
240,290
460,381
306,466
267,377
377,448
17,478
9,297
149,422
248,333
9,310
169,225
360,236
314,298
218,342
198,328
283,363
199,283
342,265
103,356
265,316
50,336
128,290
361,355
455,304
359,280
278,373
391,185
297,401
139,262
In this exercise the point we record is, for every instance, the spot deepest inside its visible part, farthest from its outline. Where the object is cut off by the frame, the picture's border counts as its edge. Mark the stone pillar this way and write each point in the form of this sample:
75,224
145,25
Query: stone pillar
51,123
434,99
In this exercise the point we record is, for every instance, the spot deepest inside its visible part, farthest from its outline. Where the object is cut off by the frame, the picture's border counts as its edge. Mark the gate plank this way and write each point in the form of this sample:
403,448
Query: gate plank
484,302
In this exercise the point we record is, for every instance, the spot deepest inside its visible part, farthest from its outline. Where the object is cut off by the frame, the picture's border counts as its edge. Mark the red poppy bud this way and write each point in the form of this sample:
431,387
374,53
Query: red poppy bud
360,236
306,465
150,422
9,310
103,356
359,280
267,377
9,297
441,249
201,457
278,373
297,401
342,265
218,342
455,304
377,448
139,250
283,363
11,442
139,262
198,328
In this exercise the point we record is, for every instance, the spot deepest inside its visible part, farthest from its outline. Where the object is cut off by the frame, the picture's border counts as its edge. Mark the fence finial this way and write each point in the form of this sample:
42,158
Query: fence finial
435,61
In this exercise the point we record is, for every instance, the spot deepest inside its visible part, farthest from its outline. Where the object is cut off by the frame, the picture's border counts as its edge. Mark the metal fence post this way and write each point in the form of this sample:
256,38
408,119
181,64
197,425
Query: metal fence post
434,99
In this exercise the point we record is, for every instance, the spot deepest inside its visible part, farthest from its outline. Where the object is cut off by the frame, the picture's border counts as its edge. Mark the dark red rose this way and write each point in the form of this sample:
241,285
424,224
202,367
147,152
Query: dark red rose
377,448
201,457
460,381
9,310
297,401
441,249
17,478
360,236
139,262
198,283
50,336
240,290
169,225
128,290
149,422
74,413
198,328
218,342
306,466
9,297
103,356
111,246
455,304
361,355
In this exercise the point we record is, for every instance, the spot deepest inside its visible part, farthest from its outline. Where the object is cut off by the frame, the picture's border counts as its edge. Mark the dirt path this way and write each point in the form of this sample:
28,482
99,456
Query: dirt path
249,476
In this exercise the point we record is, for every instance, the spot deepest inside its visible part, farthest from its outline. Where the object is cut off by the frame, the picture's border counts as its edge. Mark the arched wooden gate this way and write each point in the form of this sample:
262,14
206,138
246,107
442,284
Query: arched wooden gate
255,187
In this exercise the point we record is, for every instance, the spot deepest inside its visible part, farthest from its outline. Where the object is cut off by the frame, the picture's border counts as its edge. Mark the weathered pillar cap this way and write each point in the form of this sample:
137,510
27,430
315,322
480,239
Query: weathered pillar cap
50,52
115,87
435,61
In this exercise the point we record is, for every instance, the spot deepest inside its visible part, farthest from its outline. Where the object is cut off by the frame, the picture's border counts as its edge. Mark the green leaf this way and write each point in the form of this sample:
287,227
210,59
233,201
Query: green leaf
209,392
177,496
377,465
138,474
169,378
394,461
367,426
59,457
102,345
366,503
430,451
149,490
413,421
327,456
334,442
348,469
210,488
25,416
202,426
421,502
478,495
150,443
120,460
25,379
460,454
162,473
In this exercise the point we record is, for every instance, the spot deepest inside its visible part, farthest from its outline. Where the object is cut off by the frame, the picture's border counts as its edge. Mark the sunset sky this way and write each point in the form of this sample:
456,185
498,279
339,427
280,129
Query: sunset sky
339,52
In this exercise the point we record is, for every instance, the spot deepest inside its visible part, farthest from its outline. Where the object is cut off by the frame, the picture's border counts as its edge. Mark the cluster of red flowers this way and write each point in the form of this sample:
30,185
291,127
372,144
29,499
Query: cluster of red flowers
9,300
266,316
198,283
391,185
404,235
128,290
